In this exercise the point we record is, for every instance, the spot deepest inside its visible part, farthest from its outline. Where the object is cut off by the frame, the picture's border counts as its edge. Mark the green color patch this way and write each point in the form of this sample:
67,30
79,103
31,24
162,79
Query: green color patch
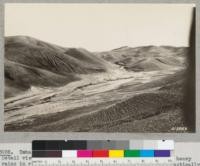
132,153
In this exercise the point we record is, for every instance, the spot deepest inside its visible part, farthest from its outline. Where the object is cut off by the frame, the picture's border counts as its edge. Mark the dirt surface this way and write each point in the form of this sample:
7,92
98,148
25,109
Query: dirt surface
121,104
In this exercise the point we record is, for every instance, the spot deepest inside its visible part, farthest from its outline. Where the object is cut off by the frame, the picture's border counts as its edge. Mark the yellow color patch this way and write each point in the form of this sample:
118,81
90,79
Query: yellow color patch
116,153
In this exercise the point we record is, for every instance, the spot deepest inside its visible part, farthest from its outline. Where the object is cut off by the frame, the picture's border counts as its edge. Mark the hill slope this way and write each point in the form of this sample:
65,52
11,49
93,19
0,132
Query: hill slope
31,62
123,90
147,58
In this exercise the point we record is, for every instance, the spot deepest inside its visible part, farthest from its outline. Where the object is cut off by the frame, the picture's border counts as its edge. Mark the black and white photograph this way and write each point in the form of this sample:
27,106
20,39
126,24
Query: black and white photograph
120,68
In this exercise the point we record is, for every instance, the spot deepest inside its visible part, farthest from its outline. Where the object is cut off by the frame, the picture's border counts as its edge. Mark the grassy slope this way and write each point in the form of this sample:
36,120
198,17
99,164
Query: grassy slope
146,112
31,62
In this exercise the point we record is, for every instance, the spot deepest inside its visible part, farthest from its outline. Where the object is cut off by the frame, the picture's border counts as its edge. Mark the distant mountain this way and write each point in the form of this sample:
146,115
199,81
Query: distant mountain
147,58
31,62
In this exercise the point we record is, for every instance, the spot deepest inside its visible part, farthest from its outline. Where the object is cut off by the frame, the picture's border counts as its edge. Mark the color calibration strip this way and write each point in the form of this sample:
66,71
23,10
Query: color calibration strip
101,153
102,149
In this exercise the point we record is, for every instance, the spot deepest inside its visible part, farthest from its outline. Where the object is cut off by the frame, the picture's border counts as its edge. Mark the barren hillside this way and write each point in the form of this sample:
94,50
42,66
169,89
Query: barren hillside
52,88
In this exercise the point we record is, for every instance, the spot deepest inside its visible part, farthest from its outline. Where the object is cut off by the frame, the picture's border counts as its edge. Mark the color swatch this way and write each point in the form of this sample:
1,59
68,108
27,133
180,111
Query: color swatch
132,153
116,153
100,153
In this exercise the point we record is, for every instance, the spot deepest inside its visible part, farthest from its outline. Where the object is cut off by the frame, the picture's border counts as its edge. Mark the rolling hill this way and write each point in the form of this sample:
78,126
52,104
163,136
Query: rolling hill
52,88
147,58
31,62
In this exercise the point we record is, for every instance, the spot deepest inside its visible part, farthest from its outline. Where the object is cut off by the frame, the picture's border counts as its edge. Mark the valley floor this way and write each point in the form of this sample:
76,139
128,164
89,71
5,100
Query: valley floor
108,102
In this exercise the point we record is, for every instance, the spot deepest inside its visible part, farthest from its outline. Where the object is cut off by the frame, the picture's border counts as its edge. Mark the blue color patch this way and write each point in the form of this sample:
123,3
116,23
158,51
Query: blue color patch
146,153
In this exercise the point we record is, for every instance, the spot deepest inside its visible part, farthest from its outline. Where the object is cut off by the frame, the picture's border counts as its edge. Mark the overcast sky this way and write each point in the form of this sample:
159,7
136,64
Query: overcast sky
100,27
